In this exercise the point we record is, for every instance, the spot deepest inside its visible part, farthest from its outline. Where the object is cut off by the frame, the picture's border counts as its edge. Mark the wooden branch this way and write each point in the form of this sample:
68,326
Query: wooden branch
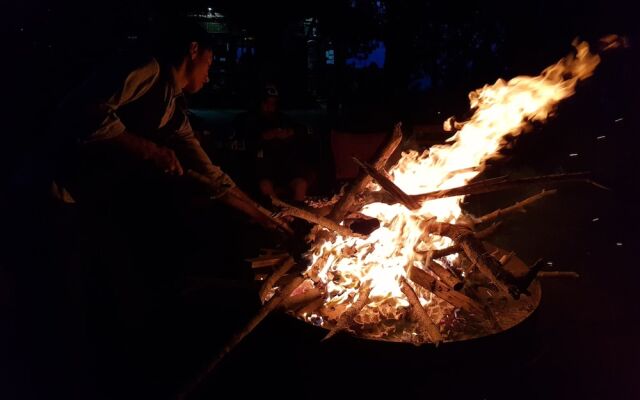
347,202
444,292
237,338
477,254
387,184
267,260
274,277
446,276
206,183
483,234
311,307
313,218
302,299
558,274
496,184
426,326
346,318
517,207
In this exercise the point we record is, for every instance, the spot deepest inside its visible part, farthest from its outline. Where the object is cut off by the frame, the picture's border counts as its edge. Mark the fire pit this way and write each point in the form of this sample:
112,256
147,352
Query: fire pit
397,258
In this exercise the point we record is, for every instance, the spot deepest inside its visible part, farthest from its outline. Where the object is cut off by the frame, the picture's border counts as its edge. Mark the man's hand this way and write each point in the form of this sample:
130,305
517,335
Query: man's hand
165,160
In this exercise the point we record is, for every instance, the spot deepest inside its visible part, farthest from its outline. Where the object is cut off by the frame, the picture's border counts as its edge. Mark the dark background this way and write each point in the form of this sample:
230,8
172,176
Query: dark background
581,342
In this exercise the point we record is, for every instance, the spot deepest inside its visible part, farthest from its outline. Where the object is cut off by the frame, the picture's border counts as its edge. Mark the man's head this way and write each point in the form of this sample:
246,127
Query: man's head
187,47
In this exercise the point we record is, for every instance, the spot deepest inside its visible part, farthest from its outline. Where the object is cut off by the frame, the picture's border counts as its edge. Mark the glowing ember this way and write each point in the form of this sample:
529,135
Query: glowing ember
502,109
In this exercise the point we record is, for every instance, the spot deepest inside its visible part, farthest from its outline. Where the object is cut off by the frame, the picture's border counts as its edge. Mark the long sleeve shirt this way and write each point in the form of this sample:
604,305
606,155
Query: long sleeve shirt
144,100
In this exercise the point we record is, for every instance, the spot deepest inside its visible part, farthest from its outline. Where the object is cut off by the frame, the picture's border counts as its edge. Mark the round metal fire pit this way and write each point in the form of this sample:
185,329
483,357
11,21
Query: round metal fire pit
501,314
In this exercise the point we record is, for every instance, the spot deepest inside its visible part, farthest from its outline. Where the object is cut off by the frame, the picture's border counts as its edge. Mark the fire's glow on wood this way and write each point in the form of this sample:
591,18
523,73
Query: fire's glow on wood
460,291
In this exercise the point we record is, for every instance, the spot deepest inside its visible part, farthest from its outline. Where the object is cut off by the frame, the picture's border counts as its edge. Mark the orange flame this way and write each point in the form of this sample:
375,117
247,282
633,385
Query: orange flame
501,109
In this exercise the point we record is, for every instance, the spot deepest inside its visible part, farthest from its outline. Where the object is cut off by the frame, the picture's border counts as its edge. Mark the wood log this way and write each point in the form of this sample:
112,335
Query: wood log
271,305
557,274
347,203
496,184
206,183
517,207
447,277
456,248
477,254
387,184
302,299
426,326
346,318
311,307
288,209
274,277
268,260
444,292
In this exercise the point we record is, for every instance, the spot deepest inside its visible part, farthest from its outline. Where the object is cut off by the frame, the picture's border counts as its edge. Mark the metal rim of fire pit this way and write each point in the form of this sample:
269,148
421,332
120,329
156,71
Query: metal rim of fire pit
508,312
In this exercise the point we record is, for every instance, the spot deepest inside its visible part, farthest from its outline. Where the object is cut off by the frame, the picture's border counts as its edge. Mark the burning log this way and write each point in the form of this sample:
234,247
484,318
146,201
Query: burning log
518,207
302,299
312,306
558,274
447,294
503,183
425,325
275,276
483,234
271,305
475,251
313,218
387,184
268,260
346,318
446,276
349,200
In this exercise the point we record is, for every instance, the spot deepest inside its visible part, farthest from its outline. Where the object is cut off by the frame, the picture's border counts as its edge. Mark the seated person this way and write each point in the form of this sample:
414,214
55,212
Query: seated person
277,147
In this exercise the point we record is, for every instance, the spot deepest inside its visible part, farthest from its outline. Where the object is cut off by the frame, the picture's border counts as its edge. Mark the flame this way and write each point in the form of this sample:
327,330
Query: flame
502,109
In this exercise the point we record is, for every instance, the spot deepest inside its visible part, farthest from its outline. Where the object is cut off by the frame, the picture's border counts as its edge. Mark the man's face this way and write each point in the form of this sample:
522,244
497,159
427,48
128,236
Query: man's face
198,70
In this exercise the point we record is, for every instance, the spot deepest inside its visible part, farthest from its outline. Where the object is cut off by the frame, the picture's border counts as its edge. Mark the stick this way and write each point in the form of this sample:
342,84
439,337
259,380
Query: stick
493,185
387,184
267,260
347,202
346,318
447,294
313,218
311,307
477,254
483,234
237,338
294,302
426,326
274,277
446,276
558,274
205,182
519,206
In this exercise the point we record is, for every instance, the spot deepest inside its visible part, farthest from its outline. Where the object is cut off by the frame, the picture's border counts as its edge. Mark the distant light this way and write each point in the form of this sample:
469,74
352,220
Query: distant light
573,155
619,119
601,137
595,219
209,8
618,244
550,263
